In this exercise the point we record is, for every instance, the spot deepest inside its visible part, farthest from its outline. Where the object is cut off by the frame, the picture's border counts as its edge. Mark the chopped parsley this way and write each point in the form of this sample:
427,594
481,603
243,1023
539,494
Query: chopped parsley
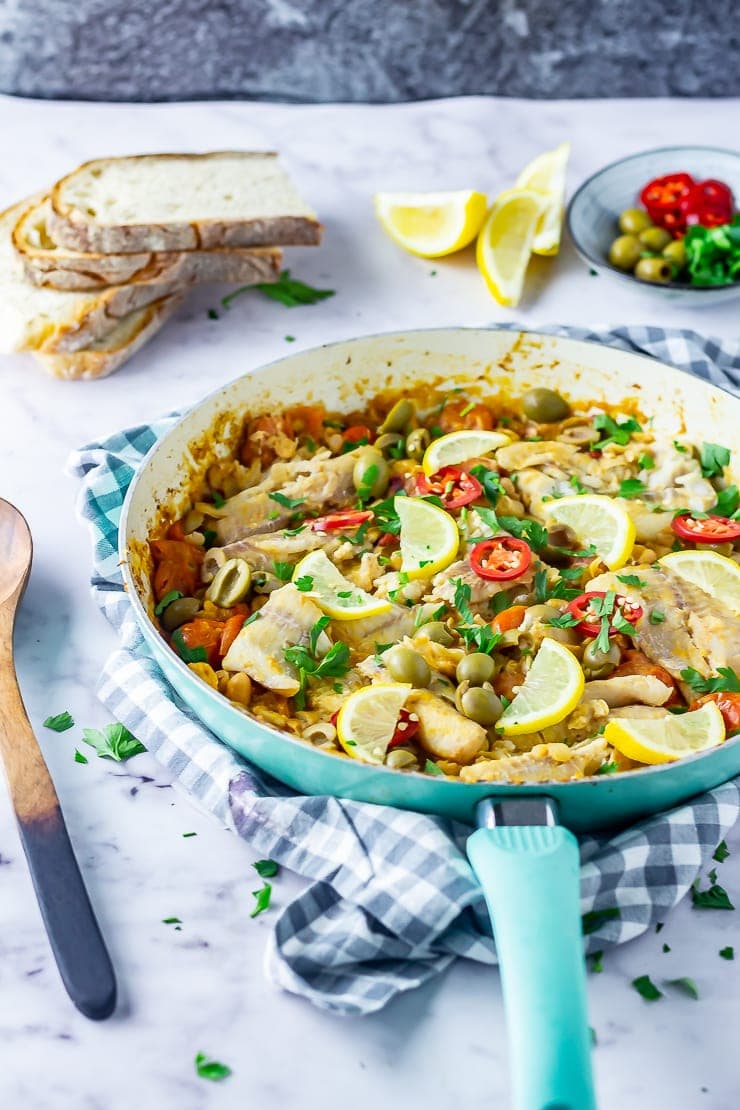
531,531
727,953
186,835
171,921
490,481
304,583
468,408
727,501
577,485
666,948
631,580
266,868
564,620
287,502
656,617
619,433
499,602
713,458
631,487
218,500
594,919
211,1069
688,986
262,899
287,290
714,897
365,488
79,757
114,742
386,516
721,852
187,654
480,637
431,768
607,769
646,988
462,600
725,682
169,597
646,462
60,723
283,571
597,961
681,447
334,664
209,538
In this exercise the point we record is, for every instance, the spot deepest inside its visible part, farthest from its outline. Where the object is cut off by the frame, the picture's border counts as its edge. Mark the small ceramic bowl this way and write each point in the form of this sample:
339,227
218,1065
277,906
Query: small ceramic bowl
594,210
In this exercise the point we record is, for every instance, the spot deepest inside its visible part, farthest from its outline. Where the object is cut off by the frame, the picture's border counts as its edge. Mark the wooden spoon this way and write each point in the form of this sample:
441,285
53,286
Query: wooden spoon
74,935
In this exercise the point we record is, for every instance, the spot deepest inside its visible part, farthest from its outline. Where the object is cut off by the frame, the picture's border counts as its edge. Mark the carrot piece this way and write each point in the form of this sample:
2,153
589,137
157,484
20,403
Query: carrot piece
509,618
231,629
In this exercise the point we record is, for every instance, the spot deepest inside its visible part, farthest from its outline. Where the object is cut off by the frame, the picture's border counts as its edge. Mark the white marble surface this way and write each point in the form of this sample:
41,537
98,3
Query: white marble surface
202,989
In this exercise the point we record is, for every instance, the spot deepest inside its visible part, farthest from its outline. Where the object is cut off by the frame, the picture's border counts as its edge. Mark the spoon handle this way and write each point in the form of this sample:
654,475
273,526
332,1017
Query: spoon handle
74,934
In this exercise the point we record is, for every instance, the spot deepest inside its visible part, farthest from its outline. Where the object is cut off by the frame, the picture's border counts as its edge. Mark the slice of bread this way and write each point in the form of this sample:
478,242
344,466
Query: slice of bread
56,267
32,318
105,355
165,202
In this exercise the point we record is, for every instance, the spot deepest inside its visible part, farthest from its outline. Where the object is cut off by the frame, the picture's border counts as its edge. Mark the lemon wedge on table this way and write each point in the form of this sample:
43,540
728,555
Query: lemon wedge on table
429,537
458,447
505,242
368,719
599,521
339,598
714,573
546,175
551,690
665,739
431,224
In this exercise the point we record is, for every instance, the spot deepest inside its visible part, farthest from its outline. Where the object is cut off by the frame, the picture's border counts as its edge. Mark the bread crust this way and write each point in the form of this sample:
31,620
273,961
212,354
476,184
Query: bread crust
76,230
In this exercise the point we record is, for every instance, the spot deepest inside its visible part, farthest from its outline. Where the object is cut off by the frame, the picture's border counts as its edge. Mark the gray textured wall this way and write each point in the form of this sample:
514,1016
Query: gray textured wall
377,50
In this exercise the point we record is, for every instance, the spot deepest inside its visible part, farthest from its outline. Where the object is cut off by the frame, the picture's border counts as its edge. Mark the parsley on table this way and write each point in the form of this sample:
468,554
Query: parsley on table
666,948
114,742
597,961
80,758
646,988
186,835
262,899
721,852
714,897
726,681
631,487
688,986
727,501
287,502
619,433
304,583
727,953
187,654
594,919
266,868
713,458
60,723
169,597
211,1069
171,921
577,484
431,768
212,314
283,571
631,580
287,290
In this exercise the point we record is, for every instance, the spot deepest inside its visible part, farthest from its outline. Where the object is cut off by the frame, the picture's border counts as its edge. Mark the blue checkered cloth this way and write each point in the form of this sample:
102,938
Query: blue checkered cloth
392,900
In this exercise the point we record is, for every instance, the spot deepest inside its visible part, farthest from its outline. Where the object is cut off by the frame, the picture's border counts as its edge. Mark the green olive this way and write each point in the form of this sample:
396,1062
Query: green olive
406,665
634,220
481,705
655,238
180,611
545,406
263,582
371,473
657,270
417,443
598,663
624,253
675,252
388,440
231,584
439,633
475,669
399,417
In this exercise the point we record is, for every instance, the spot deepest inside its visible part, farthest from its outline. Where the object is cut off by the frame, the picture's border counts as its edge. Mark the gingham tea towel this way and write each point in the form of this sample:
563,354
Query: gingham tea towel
392,899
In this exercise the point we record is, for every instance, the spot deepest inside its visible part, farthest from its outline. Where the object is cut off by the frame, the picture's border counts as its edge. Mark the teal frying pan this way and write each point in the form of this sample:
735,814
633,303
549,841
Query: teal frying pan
524,851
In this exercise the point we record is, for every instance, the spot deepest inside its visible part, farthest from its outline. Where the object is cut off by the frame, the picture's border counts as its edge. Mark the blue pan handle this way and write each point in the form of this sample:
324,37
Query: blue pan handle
530,879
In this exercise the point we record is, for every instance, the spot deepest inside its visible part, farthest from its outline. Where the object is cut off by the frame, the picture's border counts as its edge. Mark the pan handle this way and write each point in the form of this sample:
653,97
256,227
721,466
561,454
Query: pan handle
530,879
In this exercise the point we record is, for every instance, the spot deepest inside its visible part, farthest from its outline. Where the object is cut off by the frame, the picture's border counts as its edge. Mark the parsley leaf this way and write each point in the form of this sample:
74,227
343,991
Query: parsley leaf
211,1069
713,458
287,290
597,959
462,600
564,620
431,768
631,580
187,654
480,637
171,921
79,757
304,583
169,597
315,633
621,624
656,617
490,481
114,741
727,501
266,868
369,478
594,919
726,682
646,988
262,899
60,723
286,502
631,487
218,500
714,897
727,953
283,571
615,433
646,462
721,852
607,769
532,531
688,986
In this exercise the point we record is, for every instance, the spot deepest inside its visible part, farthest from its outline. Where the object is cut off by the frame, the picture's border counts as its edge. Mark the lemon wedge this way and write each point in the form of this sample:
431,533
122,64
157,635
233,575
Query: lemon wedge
599,521
458,447
711,572
546,175
368,719
505,242
551,690
665,739
339,598
429,537
431,224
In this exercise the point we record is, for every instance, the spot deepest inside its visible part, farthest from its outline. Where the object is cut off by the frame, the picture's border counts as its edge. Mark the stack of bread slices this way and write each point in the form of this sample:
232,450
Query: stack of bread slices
91,270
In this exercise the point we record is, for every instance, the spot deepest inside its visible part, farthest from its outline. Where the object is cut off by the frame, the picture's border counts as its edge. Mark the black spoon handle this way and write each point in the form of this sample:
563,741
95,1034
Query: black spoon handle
74,934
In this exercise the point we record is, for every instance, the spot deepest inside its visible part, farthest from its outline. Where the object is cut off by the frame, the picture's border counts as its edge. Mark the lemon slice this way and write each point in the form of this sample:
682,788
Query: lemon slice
429,537
551,690
546,174
431,224
711,572
505,242
599,521
664,739
339,598
457,447
368,719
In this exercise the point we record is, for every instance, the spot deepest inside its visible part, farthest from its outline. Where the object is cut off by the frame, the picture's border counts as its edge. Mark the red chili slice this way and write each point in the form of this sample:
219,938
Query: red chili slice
709,203
589,623
710,529
453,485
337,522
358,433
406,729
501,558
662,196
